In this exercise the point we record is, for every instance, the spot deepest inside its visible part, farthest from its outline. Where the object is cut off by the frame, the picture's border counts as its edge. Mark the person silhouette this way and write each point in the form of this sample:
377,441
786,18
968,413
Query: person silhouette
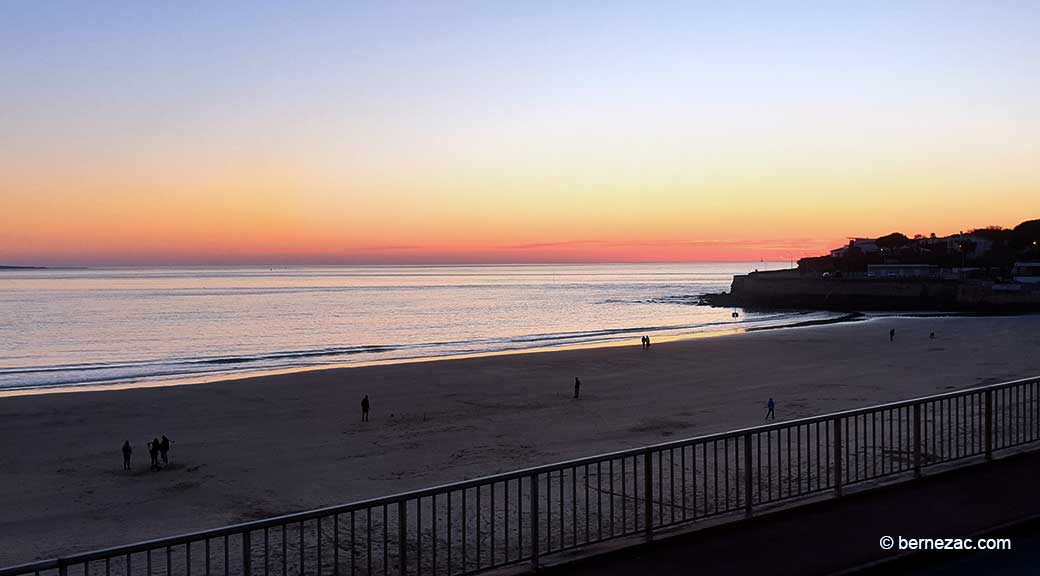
647,342
364,408
153,452
891,334
642,341
770,413
164,449
127,451
577,387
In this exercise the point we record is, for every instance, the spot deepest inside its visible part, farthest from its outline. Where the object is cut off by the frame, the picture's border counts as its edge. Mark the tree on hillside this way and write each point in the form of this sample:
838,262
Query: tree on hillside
891,241
994,233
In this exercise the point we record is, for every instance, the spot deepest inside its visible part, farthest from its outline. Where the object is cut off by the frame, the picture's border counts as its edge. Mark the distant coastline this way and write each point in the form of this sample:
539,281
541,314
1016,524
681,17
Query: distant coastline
15,268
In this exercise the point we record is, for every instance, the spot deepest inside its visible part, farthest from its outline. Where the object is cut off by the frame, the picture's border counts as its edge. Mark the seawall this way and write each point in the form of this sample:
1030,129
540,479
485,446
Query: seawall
788,289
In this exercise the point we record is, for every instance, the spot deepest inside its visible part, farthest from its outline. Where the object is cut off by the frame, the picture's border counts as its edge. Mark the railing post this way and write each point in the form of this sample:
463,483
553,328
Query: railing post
247,554
534,521
402,535
63,568
989,424
747,473
837,456
648,493
917,440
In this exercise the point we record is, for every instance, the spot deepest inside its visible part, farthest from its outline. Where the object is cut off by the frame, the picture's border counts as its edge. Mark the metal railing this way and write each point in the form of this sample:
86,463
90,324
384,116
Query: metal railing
476,525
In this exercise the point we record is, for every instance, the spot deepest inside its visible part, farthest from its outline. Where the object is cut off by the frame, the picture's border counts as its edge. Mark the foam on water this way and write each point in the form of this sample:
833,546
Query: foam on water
104,326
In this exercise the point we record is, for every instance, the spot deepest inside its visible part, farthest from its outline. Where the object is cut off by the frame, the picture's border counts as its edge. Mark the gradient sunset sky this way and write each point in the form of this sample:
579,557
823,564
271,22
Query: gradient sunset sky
349,132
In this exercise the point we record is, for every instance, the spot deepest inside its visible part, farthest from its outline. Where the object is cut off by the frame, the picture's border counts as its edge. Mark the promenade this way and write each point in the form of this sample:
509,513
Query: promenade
838,535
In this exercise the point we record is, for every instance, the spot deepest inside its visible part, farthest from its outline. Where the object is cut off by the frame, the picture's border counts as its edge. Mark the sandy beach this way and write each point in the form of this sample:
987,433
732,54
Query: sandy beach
258,447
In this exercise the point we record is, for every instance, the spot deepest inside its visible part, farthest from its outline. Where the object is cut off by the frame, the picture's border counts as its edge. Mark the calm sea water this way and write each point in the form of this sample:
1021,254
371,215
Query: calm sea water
86,327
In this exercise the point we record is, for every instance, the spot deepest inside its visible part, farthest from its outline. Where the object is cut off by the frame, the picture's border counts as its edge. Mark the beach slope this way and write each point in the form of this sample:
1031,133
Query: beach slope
263,446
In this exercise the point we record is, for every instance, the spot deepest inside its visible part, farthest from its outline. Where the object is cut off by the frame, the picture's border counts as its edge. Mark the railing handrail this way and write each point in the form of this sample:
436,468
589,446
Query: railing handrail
296,517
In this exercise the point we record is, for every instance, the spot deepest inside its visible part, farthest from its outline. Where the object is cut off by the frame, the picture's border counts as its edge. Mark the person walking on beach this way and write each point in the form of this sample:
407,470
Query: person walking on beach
164,449
364,408
647,342
577,387
127,451
770,405
153,452
642,340
891,334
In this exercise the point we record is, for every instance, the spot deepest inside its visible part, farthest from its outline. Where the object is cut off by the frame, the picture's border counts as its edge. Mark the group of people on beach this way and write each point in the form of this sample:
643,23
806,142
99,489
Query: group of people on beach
366,405
157,449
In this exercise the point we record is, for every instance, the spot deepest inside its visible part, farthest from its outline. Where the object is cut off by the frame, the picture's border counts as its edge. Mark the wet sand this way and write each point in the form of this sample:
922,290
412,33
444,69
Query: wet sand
253,448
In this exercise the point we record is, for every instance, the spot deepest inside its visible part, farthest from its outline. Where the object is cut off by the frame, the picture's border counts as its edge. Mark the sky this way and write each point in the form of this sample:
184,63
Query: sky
458,132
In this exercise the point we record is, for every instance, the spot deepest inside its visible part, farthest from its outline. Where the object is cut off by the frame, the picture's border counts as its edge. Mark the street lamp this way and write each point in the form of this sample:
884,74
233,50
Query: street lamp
964,256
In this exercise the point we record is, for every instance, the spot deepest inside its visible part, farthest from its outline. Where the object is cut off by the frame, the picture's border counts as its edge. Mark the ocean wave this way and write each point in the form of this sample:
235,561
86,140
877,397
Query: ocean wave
71,375
223,359
681,299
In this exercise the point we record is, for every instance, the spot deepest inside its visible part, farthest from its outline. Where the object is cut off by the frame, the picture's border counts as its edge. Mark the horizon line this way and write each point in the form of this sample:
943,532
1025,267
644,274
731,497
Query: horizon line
386,264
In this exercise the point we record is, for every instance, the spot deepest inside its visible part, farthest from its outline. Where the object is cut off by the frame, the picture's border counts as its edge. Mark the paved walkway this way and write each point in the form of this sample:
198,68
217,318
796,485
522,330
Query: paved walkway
837,535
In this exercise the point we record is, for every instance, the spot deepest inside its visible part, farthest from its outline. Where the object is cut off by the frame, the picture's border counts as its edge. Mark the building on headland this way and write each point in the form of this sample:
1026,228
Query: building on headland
902,271
864,245
1026,272
985,253
981,245
986,270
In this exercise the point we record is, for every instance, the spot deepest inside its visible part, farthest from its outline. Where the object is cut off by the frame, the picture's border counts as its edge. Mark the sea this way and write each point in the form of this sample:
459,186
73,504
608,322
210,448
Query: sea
106,326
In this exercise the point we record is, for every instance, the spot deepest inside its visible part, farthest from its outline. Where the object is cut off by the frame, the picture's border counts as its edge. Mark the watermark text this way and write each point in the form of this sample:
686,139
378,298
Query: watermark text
903,543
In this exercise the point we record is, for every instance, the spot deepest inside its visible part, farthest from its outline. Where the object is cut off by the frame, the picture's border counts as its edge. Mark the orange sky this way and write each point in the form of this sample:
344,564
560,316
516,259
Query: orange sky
234,224
399,134
135,206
